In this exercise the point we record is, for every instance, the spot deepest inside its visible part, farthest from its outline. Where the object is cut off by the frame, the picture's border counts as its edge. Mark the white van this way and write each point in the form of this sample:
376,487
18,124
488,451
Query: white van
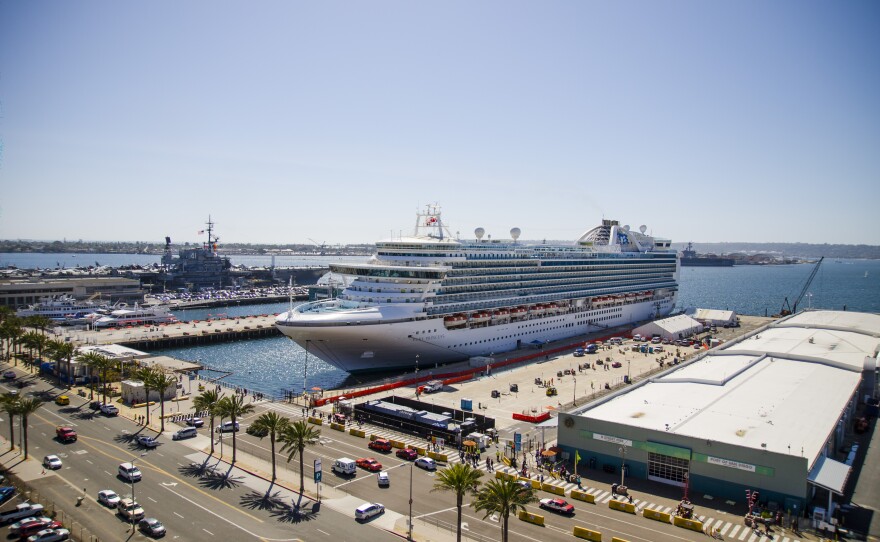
186,432
345,466
129,472
228,427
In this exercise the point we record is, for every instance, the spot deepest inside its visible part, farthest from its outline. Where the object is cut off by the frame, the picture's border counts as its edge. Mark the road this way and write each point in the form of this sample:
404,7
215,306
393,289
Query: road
196,497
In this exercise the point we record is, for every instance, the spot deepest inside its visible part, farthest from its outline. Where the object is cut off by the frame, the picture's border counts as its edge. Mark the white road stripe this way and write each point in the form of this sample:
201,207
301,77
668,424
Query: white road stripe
735,530
724,529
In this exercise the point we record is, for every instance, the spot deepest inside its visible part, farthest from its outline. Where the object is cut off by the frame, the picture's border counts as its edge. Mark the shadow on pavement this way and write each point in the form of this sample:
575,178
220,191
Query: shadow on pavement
265,501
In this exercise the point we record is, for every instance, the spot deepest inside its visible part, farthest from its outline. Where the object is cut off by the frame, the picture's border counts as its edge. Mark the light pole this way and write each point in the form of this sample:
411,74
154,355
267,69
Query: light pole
409,534
574,391
417,365
622,463
131,482
306,368
628,377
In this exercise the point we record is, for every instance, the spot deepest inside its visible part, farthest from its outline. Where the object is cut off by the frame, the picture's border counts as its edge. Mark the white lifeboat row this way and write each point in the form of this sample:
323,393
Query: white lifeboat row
619,299
501,315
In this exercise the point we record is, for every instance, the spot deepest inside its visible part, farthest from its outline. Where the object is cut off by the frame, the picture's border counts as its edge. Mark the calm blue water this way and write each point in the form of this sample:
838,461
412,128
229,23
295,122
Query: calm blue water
276,364
51,261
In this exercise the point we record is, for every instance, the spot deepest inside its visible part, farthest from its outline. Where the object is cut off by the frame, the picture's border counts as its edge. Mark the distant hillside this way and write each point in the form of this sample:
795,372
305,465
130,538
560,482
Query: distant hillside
789,250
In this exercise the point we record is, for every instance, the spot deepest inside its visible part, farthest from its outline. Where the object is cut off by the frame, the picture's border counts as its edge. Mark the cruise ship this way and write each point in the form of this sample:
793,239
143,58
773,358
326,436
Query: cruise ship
432,299
64,309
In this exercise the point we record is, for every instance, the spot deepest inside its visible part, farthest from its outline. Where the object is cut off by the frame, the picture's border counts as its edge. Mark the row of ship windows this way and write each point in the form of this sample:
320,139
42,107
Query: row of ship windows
548,281
515,335
534,290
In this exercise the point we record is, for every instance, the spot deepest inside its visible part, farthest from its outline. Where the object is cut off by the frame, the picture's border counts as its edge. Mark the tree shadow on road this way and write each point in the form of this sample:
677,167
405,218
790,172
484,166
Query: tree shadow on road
264,501
296,514
221,480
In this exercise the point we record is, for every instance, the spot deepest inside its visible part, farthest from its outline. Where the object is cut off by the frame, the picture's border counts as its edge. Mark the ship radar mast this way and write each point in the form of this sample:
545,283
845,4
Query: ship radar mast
430,224
212,240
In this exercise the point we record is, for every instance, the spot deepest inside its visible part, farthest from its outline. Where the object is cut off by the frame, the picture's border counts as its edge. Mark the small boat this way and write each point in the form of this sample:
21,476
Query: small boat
480,317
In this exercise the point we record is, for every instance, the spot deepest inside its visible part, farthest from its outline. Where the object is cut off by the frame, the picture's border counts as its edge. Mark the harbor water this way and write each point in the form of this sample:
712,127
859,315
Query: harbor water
277,365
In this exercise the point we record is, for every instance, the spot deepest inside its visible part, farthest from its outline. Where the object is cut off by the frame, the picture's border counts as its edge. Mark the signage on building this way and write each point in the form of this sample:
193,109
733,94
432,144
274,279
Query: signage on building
613,440
729,463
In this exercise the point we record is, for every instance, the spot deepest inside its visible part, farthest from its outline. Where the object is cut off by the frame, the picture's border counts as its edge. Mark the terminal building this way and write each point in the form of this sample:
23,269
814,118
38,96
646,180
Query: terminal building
767,412
19,293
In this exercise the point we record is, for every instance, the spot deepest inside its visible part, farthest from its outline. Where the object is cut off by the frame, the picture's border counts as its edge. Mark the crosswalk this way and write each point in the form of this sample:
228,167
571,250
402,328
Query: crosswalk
727,530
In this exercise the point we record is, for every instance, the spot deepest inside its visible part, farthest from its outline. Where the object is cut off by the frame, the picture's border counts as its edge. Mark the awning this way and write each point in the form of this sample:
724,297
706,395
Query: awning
829,474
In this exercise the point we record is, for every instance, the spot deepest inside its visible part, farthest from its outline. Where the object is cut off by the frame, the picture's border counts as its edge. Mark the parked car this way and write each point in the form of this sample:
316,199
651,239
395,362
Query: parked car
147,441
557,505
50,535
62,400
407,453
380,445
15,528
130,509
108,498
426,463
6,492
109,410
368,510
95,405
369,463
35,526
257,431
21,511
52,462
195,422
151,527
383,479
9,375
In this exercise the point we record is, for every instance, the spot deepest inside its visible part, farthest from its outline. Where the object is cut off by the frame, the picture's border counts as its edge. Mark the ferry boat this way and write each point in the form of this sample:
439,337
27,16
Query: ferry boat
136,316
434,298
64,309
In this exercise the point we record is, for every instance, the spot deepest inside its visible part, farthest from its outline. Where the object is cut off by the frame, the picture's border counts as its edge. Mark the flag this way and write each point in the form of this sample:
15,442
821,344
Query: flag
200,232
577,458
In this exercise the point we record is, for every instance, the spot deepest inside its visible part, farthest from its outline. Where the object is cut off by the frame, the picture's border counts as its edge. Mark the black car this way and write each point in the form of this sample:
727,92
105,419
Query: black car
95,405
257,431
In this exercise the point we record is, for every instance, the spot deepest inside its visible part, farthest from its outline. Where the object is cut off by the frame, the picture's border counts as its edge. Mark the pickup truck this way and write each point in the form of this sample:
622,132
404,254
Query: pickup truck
433,386
65,434
109,410
24,510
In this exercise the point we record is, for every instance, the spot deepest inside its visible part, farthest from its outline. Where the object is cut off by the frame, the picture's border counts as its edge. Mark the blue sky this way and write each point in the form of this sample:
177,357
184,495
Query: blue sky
706,121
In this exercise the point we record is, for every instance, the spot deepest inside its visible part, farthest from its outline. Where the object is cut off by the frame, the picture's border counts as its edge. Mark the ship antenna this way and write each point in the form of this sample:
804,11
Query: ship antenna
290,291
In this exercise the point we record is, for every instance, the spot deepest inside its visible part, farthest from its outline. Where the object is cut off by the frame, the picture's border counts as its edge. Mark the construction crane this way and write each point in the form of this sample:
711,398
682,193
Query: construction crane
790,309
321,247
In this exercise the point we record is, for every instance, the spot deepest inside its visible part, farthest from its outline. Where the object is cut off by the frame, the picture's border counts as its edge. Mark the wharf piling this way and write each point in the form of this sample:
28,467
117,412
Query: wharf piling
187,339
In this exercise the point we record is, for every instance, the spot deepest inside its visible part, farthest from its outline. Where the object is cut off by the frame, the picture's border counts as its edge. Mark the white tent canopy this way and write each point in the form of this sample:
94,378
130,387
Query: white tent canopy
672,328
712,316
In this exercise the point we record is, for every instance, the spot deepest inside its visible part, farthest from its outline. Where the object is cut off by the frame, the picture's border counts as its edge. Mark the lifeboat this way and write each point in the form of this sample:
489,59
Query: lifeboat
518,312
454,320
551,308
501,314
537,309
480,317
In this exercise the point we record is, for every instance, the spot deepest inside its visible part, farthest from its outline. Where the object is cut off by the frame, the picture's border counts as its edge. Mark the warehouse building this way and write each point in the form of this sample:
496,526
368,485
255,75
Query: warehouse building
712,317
672,328
768,412
19,293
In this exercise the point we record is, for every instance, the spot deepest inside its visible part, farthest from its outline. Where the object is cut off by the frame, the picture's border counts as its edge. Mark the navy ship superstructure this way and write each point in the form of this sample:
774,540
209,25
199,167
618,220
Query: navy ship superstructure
196,268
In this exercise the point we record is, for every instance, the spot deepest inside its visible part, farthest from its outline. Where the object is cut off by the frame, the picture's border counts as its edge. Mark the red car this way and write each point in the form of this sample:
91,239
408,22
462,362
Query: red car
33,527
407,453
369,463
380,445
557,505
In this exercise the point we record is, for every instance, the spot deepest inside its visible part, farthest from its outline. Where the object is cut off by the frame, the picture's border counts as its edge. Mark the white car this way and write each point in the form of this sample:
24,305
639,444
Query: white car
384,479
228,427
14,528
147,441
109,410
50,535
108,497
426,463
368,510
52,462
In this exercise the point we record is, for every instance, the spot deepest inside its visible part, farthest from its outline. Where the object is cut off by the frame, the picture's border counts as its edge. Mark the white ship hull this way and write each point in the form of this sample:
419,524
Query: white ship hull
370,347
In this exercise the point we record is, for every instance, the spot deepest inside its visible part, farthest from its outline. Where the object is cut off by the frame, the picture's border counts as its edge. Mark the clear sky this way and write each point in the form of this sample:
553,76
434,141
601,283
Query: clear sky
705,120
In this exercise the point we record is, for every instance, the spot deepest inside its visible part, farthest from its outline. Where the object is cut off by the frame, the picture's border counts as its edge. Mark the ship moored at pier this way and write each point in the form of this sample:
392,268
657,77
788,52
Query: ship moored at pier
432,299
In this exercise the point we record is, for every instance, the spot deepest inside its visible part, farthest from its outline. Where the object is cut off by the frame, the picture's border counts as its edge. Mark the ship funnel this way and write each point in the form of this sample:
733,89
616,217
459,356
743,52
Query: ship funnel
479,232
643,228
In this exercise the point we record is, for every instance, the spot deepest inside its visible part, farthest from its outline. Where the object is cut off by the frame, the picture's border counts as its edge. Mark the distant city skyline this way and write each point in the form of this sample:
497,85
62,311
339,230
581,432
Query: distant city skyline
294,122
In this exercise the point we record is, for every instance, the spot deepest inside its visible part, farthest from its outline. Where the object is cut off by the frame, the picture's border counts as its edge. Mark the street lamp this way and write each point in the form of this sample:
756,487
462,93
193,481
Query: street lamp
306,368
417,365
409,534
131,482
622,463
574,391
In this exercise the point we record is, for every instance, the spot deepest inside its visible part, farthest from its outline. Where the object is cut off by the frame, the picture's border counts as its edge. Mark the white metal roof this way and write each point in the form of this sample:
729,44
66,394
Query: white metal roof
777,391
715,315
830,474
673,325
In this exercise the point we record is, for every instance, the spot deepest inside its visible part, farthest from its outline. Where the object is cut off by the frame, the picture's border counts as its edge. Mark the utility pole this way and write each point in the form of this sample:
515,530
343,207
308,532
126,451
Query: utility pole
409,534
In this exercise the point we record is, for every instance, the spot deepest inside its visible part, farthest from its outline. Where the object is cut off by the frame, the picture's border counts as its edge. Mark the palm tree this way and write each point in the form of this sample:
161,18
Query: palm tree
207,401
12,330
64,350
161,382
274,424
459,478
40,322
102,365
296,437
26,407
29,342
233,407
503,496
9,404
91,359
146,375
41,341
